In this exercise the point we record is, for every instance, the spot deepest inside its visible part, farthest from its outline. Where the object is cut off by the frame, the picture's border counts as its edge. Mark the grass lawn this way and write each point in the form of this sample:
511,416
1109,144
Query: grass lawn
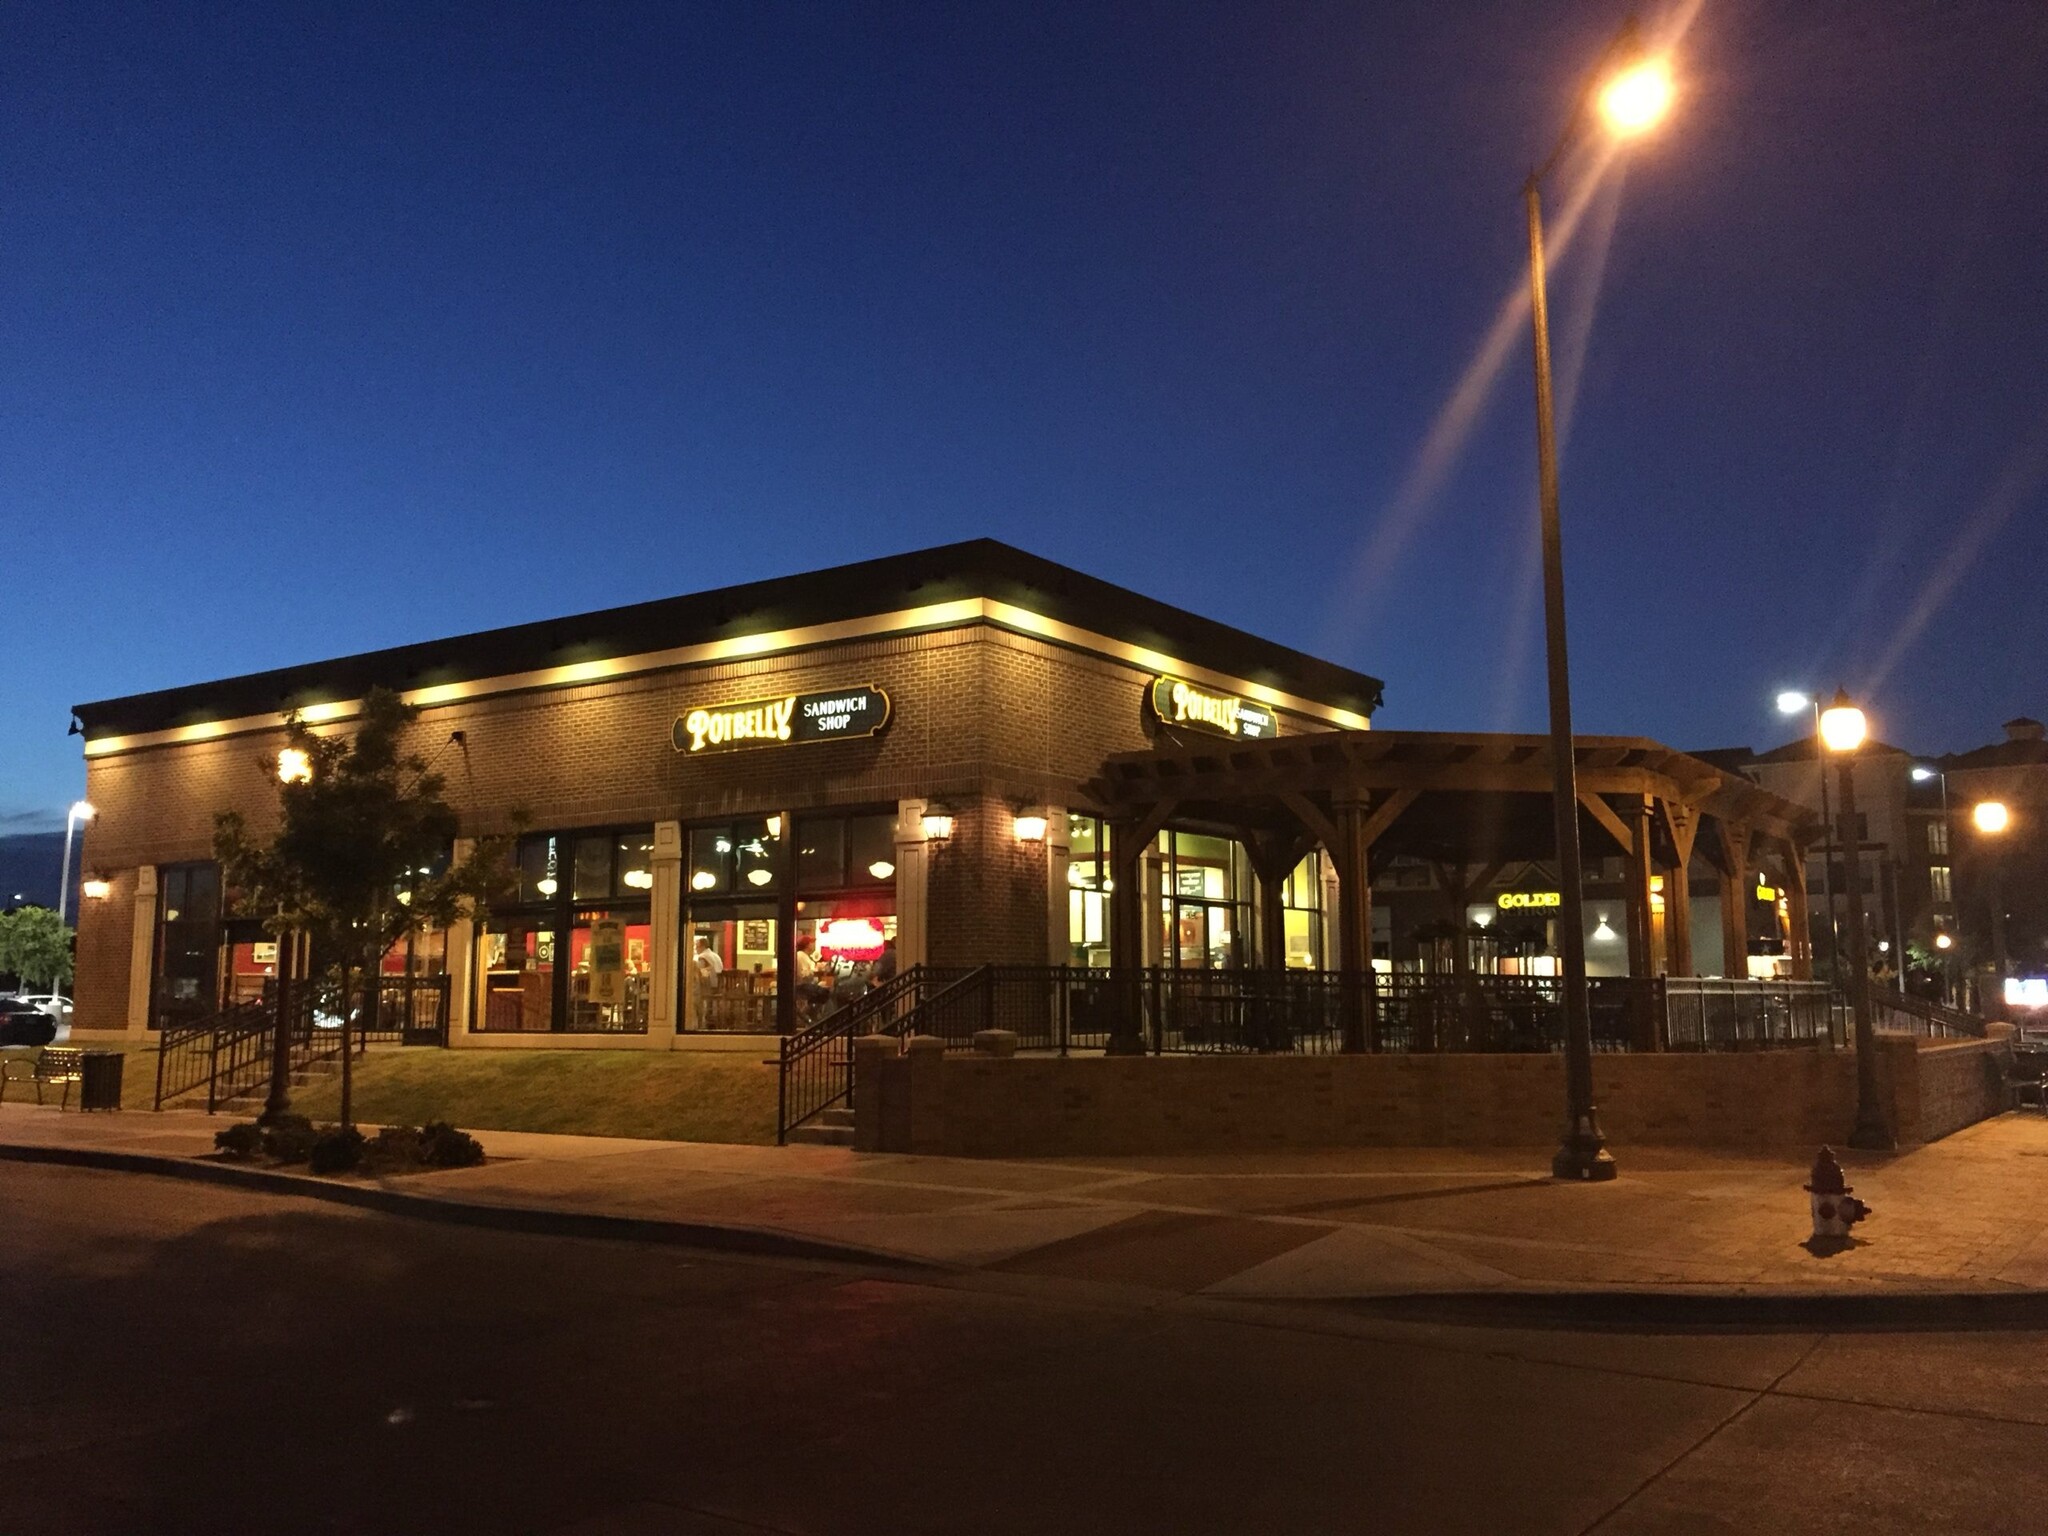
661,1095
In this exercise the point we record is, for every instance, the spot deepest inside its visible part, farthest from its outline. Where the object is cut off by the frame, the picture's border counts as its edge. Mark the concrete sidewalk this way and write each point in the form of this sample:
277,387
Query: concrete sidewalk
1966,1214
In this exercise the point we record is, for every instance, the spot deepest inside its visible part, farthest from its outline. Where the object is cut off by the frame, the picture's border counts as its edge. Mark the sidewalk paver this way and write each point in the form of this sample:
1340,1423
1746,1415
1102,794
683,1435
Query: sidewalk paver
1966,1213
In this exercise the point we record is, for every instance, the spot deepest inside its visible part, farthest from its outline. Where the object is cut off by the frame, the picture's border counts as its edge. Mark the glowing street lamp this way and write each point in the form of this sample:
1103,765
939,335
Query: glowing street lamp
81,810
1630,91
1843,729
1792,702
1991,818
294,766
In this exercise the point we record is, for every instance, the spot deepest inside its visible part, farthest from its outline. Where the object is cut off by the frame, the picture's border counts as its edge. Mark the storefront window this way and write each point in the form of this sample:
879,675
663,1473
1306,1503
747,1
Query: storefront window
739,858
1302,897
592,888
187,969
731,977
1205,901
1088,886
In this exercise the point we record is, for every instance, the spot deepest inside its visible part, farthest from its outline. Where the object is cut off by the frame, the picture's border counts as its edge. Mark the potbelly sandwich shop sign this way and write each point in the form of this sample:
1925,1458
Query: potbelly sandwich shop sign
838,716
1181,703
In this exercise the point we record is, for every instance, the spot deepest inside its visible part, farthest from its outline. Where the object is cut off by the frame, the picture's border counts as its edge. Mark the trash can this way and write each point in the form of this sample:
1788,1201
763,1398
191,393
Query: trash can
99,1080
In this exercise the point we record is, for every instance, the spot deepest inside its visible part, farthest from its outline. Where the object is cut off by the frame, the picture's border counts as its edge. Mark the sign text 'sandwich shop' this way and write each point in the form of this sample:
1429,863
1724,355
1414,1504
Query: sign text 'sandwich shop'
838,716
1180,703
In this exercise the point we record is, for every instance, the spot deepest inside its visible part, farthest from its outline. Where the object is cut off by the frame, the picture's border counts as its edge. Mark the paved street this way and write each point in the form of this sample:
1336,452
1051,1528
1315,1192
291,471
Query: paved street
186,1358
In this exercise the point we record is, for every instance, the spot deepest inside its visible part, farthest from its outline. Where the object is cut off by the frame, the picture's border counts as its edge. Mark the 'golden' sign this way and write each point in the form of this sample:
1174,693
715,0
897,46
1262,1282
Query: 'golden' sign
850,712
1180,703
1510,901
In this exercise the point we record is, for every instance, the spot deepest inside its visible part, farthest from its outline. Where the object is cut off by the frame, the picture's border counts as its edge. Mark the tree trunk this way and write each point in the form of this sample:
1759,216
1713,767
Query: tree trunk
280,1101
347,1054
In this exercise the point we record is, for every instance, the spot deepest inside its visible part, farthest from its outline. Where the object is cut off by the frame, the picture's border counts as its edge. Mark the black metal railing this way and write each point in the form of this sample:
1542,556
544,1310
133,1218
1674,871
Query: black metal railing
404,1010
815,1065
1902,1013
1712,1013
222,1056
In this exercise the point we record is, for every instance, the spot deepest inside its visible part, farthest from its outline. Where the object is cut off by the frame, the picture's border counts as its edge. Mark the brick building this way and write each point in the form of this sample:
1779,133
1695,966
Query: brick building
735,802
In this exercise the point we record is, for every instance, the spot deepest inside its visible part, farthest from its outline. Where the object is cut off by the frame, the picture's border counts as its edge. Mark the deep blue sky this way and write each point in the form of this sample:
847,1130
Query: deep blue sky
334,328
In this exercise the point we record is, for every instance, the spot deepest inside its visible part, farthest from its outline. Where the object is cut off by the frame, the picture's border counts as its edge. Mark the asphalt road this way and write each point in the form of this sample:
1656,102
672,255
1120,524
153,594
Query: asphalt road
182,1358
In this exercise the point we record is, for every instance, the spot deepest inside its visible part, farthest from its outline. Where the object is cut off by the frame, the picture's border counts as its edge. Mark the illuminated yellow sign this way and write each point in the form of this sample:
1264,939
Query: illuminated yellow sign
1179,703
851,712
1510,901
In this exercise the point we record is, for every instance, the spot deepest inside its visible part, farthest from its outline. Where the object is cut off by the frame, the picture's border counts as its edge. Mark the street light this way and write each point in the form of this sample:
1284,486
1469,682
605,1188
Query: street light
1991,818
1632,91
1791,702
81,810
1843,730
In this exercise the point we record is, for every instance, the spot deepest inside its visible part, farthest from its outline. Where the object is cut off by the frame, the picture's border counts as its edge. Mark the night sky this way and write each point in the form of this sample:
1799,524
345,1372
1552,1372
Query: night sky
328,329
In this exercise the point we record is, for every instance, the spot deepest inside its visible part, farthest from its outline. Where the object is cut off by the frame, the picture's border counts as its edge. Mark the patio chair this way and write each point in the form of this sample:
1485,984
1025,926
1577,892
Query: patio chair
2026,1080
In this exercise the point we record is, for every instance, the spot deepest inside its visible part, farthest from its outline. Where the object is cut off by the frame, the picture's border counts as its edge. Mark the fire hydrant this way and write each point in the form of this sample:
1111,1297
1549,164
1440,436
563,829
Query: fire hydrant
1835,1210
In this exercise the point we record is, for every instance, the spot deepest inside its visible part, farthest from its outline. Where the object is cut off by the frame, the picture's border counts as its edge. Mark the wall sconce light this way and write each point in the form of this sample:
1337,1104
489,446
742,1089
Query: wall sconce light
1030,826
938,825
294,766
98,888
775,826
1602,934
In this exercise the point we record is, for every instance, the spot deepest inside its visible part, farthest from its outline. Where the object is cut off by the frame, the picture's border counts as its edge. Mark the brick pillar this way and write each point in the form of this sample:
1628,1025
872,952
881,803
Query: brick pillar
912,865
142,949
1058,851
664,936
461,959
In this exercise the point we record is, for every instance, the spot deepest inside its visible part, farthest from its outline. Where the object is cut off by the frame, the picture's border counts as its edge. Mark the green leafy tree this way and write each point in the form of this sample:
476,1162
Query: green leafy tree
360,860
35,946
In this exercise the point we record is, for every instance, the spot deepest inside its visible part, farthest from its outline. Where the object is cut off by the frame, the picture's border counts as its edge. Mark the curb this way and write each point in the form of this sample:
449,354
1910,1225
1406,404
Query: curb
1625,1311
534,1220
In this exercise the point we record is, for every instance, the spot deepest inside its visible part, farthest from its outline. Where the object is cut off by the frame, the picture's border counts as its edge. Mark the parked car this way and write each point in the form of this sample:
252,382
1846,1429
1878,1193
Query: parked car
22,1023
55,1004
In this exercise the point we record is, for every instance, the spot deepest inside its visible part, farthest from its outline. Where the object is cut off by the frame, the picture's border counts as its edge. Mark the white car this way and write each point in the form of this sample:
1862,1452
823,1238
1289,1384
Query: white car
57,1006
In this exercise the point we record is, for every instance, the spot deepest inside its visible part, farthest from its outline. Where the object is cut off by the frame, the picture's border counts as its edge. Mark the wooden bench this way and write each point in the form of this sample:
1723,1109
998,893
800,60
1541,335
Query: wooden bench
54,1064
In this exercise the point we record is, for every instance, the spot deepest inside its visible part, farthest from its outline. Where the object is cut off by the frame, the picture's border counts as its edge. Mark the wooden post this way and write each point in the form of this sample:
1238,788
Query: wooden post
1735,902
1126,936
1683,824
1636,890
1354,928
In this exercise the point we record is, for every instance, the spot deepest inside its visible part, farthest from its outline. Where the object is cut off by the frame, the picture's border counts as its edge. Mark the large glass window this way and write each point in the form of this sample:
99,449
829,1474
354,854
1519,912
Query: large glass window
1088,887
187,970
1205,901
733,880
845,910
1302,897
574,953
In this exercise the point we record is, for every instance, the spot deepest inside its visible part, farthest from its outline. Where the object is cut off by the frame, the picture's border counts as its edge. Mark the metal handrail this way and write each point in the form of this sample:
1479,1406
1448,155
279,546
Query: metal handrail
1903,1013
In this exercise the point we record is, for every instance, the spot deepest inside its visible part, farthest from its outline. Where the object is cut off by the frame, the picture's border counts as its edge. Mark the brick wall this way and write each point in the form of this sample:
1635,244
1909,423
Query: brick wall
1043,1106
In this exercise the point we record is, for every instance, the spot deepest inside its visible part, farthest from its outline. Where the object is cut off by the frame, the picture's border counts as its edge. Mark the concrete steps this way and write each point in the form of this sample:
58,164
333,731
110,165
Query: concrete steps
833,1128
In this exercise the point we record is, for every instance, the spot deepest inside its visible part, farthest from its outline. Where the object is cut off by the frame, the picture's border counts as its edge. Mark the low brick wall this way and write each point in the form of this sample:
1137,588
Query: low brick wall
972,1105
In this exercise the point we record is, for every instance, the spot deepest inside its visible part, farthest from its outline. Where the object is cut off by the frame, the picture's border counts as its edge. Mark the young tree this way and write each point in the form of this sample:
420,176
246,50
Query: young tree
360,860
35,946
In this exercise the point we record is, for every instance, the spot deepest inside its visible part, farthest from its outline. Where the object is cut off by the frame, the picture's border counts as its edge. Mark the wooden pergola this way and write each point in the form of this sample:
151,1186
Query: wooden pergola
1469,804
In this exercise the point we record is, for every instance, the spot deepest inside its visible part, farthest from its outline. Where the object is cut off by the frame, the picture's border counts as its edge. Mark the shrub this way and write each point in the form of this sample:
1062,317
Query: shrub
397,1146
240,1142
446,1147
337,1149
289,1138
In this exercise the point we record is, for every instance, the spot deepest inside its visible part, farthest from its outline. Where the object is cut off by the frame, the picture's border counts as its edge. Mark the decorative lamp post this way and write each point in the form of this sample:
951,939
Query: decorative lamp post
81,810
1629,91
1791,703
1842,731
1991,818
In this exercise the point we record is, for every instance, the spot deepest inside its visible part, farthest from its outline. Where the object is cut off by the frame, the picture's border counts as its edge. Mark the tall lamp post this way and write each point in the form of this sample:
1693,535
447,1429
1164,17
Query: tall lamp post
1991,818
1843,729
81,810
1630,92
1791,703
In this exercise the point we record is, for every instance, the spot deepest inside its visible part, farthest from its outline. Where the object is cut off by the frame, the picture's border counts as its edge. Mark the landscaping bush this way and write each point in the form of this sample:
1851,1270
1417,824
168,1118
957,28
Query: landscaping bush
289,1139
337,1150
446,1147
397,1146
240,1142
